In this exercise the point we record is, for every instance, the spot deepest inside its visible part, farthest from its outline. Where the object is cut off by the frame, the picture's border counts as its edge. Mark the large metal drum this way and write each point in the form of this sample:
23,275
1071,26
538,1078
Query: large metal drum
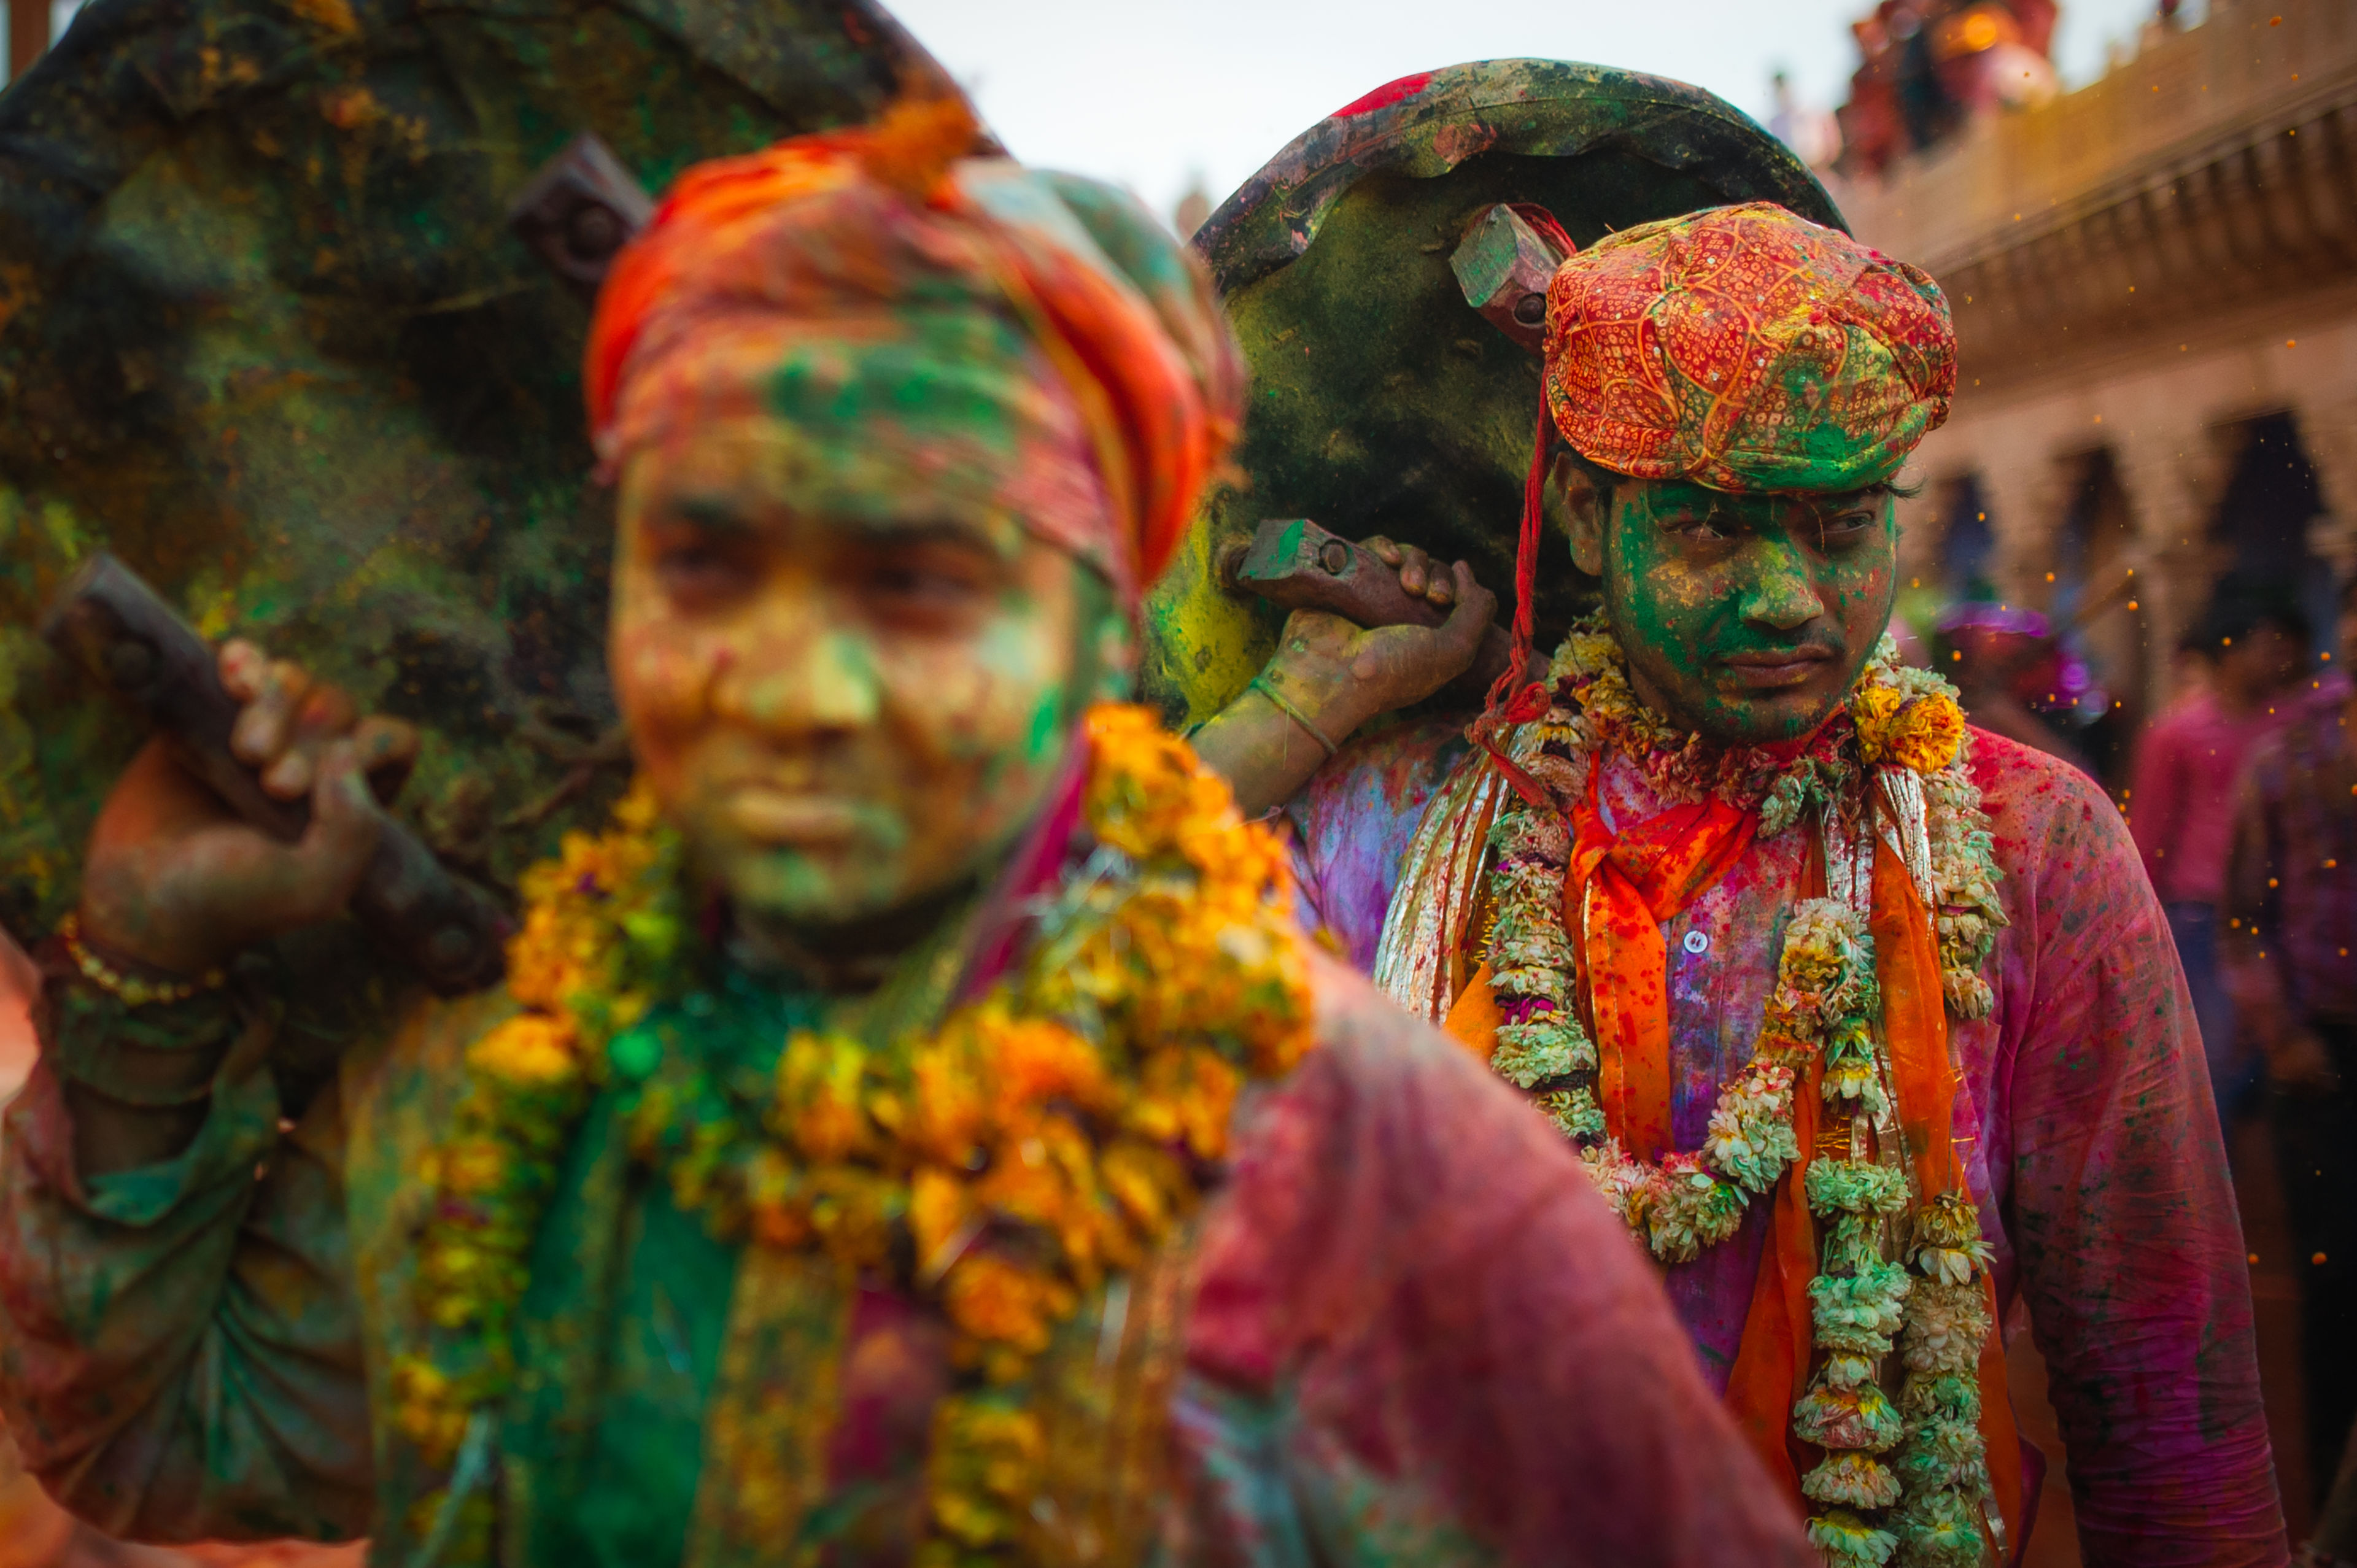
1380,402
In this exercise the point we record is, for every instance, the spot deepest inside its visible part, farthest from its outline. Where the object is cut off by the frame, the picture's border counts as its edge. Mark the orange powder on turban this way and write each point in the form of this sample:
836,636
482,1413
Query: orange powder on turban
1747,349
852,233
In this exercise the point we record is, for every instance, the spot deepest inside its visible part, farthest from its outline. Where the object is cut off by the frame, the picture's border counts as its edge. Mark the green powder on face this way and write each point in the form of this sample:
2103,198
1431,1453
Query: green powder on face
1683,601
968,386
1047,724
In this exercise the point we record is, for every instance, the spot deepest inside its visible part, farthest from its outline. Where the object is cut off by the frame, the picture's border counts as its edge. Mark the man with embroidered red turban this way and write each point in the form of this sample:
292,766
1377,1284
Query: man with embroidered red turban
917,1131
1864,1022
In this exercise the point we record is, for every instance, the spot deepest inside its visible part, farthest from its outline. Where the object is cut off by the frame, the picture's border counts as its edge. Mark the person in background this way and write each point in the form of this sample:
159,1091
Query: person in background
2290,917
2000,659
1813,133
2256,643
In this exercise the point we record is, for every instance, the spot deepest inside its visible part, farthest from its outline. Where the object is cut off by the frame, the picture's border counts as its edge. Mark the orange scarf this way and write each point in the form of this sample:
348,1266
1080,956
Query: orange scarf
1771,1366
1618,890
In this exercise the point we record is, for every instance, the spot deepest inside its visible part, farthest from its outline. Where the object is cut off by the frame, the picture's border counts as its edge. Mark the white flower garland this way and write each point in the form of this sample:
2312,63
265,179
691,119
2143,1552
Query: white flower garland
1935,1491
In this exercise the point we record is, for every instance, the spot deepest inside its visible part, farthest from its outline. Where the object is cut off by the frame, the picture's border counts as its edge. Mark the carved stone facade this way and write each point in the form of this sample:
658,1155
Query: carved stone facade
2154,281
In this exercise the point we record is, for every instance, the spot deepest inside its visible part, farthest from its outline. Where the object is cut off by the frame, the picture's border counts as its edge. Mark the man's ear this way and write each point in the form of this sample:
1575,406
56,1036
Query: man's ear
1107,645
1116,657
1584,510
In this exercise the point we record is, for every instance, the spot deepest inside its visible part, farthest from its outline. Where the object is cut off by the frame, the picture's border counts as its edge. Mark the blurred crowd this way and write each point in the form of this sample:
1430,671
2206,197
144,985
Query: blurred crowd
1927,69
2241,794
2245,807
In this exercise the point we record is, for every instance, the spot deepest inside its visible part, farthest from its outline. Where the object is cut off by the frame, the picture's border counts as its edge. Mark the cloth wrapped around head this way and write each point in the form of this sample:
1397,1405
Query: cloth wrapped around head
772,285
1747,350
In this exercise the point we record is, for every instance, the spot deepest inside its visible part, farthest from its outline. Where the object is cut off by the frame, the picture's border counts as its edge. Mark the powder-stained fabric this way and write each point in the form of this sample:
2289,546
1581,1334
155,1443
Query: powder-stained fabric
2084,1115
760,275
1385,1343
2290,879
1747,349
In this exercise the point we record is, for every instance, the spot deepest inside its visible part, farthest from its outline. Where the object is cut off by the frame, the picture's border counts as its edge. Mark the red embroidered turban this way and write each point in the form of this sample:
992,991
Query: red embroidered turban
766,284
1747,349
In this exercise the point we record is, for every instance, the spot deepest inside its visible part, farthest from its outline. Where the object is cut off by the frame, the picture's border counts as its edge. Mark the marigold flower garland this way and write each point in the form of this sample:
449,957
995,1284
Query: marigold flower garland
1824,1011
1043,1139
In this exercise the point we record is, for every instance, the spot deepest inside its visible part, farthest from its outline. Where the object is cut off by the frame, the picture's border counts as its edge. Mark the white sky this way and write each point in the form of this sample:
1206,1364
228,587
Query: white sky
1152,93
1155,94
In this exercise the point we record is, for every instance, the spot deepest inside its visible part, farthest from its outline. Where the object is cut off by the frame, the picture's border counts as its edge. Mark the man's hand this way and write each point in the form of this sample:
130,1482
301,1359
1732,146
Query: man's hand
1417,577
1335,675
1343,675
175,881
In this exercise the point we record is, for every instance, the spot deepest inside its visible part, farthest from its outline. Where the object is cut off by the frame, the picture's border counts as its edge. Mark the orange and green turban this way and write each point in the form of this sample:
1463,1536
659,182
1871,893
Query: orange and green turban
889,300
1747,350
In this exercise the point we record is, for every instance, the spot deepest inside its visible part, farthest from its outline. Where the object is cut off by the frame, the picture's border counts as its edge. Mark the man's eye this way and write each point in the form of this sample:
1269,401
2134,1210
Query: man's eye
915,583
924,587
699,569
1846,524
1702,528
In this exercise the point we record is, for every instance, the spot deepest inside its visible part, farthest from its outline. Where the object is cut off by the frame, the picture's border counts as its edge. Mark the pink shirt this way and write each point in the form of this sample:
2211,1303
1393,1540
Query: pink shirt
2181,810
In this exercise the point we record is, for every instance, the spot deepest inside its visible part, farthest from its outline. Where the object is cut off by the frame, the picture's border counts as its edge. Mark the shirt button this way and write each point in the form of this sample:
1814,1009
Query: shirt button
1696,943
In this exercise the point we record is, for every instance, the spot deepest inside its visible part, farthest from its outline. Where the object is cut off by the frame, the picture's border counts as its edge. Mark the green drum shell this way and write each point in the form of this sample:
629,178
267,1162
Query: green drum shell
265,334
1380,402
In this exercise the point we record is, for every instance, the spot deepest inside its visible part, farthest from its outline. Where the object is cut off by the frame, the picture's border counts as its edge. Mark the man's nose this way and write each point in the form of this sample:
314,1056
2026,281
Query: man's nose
1779,594
798,677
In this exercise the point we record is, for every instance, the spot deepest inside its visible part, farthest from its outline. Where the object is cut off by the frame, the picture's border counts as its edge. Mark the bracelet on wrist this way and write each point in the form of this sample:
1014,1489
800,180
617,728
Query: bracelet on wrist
1285,705
132,990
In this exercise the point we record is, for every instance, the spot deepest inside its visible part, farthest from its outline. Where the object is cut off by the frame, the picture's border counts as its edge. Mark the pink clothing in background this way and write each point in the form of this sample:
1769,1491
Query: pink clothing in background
2294,871
2181,810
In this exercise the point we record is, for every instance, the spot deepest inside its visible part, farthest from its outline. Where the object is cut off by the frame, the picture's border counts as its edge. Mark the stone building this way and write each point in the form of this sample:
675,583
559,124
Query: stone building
2155,282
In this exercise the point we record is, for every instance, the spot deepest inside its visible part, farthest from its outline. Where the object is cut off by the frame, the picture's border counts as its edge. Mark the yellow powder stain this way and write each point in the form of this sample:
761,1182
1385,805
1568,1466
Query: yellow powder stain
216,613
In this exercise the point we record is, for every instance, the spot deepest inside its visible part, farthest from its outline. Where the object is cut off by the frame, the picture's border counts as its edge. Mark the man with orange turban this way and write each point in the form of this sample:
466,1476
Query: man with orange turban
1864,1022
917,1131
